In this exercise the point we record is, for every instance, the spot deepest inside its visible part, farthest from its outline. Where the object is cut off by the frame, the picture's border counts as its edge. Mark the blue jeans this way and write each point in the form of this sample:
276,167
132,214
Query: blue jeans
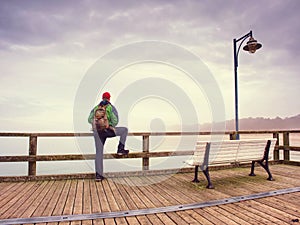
100,138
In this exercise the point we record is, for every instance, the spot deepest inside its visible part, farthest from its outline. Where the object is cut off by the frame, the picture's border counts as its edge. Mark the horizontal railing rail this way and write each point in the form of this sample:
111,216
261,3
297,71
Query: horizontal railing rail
32,158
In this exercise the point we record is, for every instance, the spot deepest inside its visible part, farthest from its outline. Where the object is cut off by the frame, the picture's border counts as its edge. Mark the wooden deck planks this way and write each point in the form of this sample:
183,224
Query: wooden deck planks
123,205
9,194
48,193
17,200
6,190
26,203
135,202
253,214
59,208
77,208
172,192
95,203
147,194
46,198
280,202
143,201
70,200
87,201
168,196
112,202
37,199
139,201
243,215
103,200
262,205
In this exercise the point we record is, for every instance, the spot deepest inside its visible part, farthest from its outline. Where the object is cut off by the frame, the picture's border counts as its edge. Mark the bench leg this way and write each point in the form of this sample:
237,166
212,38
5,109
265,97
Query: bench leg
252,169
263,165
196,175
266,167
206,173
265,161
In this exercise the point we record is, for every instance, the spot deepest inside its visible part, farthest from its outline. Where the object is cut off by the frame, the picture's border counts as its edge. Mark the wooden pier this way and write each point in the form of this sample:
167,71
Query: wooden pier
158,198
84,197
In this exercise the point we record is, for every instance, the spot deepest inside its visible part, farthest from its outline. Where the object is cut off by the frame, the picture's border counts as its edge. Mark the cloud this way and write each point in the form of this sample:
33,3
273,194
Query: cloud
46,47
15,107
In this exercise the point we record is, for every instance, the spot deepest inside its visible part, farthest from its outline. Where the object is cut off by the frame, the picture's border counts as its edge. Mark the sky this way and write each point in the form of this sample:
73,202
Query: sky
157,58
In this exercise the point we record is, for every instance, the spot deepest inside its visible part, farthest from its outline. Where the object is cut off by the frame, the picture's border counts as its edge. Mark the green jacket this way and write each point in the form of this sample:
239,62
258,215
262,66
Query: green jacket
111,113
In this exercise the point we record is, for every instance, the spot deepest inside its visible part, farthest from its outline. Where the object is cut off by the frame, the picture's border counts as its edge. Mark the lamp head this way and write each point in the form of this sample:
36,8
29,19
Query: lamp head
252,45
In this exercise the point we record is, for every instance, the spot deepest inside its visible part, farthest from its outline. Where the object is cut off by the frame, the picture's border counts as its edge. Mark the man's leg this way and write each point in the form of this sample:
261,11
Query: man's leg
100,139
99,144
122,132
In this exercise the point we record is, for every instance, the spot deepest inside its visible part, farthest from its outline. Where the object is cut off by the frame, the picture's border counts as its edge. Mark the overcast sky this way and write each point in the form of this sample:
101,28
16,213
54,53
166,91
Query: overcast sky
48,47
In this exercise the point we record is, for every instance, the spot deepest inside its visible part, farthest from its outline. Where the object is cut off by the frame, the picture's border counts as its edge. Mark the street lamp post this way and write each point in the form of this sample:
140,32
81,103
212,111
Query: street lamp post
251,47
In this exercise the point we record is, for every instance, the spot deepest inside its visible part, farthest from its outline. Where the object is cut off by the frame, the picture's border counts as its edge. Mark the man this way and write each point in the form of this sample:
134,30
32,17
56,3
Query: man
106,130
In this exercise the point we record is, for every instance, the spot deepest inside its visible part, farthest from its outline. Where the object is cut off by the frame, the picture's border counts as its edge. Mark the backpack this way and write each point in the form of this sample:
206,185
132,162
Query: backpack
100,118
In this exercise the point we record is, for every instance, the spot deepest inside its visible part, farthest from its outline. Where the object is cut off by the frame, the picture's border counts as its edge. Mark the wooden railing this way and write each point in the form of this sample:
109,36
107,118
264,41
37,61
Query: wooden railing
145,154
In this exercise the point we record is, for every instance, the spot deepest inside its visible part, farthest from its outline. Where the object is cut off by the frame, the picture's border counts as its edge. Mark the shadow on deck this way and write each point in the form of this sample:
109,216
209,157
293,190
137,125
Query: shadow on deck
157,199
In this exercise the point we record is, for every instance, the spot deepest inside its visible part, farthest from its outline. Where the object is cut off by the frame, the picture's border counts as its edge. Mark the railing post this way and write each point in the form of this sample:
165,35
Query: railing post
32,152
276,151
286,146
145,165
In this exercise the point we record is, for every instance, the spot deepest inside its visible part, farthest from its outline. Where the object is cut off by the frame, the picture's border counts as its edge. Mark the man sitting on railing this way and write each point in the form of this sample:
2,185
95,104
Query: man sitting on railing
104,126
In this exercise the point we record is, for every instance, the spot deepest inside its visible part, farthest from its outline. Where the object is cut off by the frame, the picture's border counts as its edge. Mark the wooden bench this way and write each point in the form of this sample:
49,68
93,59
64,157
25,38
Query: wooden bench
225,152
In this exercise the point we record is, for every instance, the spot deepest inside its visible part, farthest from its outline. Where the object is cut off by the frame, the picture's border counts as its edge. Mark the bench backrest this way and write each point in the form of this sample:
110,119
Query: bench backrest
231,151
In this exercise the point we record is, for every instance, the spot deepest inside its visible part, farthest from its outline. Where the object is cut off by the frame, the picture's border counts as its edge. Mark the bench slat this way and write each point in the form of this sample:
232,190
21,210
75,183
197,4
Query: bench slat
231,151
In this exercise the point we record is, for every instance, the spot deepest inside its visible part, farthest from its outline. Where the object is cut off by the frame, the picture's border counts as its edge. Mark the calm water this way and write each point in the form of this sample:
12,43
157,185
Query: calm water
85,145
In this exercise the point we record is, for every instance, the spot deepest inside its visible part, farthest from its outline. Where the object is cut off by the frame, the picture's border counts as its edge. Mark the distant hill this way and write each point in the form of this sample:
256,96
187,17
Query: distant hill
260,123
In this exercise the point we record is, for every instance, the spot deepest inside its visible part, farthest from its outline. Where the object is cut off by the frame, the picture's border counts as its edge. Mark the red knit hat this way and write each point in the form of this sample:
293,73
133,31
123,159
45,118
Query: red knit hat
106,95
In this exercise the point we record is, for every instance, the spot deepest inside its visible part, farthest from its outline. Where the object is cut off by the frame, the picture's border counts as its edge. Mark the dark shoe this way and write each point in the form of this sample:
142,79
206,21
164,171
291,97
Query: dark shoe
122,152
99,177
